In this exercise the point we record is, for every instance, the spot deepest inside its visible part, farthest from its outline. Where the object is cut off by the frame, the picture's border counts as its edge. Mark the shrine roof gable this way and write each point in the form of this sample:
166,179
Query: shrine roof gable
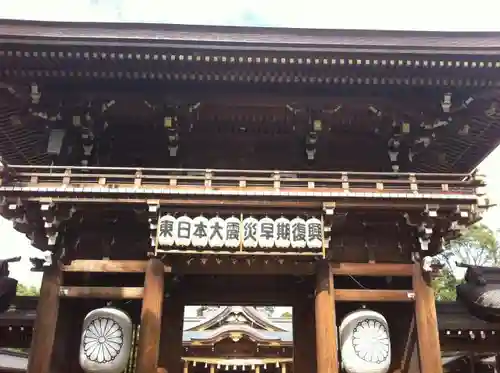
245,38
234,316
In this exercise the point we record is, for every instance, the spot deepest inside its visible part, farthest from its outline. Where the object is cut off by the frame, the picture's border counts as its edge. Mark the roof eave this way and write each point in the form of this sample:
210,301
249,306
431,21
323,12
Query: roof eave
250,38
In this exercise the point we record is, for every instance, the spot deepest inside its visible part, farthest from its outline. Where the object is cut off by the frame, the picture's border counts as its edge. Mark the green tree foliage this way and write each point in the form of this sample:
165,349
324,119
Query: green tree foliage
479,246
286,315
23,290
444,285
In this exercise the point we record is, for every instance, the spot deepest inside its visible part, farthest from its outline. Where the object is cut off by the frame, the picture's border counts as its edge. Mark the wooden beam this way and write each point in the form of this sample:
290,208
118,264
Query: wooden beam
219,265
108,266
101,292
259,298
354,203
231,203
193,252
151,315
326,336
369,295
44,331
426,321
209,204
372,269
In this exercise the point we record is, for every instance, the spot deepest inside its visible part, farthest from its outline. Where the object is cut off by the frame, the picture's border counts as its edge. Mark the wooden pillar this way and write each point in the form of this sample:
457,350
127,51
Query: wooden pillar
326,336
171,335
304,336
67,337
426,321
150,327
46,320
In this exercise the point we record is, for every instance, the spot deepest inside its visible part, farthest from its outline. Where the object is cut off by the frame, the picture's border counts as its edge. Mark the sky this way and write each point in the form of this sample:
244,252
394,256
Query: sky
422,15
442,15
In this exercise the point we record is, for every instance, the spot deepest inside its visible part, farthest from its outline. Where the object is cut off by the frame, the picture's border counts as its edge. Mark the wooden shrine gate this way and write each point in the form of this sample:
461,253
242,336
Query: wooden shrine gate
204,132
374,241
161,315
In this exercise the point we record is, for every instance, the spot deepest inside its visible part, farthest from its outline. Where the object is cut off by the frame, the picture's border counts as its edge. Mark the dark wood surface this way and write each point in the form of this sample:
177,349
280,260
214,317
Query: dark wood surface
44,329
327,360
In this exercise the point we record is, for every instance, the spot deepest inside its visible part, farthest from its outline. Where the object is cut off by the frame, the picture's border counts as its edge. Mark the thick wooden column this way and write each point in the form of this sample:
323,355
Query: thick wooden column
326,336
68,334
426,321
150,329
304,336
44,331
171,335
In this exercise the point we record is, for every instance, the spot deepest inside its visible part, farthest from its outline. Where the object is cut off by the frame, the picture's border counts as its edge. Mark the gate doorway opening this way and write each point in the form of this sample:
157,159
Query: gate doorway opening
237,338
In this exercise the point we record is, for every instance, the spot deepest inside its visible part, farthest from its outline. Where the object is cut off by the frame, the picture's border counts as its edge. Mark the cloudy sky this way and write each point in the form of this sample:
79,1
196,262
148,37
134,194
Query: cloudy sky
442,15
423,15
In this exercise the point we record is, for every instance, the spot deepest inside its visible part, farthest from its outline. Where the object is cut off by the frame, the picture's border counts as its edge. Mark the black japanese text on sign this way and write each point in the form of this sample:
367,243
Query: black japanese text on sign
233,232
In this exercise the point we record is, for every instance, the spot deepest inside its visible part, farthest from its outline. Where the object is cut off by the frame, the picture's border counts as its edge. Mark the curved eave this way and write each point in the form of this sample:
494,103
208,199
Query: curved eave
252,314
211,319
226,331
256,38
262,320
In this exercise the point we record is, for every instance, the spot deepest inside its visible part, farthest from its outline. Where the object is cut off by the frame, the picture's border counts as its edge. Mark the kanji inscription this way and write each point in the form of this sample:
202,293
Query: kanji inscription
246,233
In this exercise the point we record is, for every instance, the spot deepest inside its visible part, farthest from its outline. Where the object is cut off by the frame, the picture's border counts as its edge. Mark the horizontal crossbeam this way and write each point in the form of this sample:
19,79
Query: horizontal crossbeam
125,183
